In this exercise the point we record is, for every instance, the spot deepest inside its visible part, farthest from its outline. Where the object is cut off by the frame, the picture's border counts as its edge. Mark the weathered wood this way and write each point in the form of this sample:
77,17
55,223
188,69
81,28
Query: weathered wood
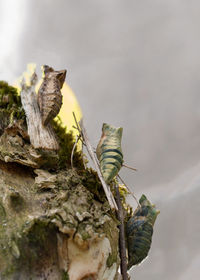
40,136
51,227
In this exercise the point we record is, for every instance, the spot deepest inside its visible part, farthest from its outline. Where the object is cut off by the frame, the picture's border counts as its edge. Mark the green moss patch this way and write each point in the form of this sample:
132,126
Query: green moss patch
10,101
66,142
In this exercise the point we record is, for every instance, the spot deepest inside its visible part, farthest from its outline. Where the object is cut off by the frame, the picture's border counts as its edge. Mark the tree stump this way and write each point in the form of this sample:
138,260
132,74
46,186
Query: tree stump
55,221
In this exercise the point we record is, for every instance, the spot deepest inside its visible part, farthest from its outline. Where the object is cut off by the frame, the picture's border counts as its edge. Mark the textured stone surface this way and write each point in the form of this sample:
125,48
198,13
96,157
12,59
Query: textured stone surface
50,224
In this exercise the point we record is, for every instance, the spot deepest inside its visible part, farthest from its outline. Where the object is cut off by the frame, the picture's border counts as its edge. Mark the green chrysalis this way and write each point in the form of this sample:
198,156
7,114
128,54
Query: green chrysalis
139,231
109,152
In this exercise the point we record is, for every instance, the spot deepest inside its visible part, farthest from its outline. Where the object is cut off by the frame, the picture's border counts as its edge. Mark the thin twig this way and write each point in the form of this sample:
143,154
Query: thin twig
128,189
73,149
77,124
122,244
78,128
129,167
107,190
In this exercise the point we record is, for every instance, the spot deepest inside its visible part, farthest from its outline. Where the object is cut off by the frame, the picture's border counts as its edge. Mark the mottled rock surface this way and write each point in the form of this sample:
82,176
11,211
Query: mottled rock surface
55,222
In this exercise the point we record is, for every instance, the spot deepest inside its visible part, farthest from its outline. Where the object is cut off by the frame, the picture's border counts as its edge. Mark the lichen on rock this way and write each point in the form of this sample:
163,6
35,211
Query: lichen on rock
55,222
50,211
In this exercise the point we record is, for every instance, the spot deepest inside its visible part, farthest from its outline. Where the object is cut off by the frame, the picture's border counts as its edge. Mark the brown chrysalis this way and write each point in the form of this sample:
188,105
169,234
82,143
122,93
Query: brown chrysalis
49,94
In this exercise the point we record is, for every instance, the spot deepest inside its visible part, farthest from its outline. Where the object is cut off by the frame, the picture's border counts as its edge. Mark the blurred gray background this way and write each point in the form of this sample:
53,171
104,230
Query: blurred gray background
134,64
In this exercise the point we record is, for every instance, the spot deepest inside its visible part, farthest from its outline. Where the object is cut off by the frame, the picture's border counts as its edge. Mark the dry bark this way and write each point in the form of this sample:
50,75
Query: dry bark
51,225
40,136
